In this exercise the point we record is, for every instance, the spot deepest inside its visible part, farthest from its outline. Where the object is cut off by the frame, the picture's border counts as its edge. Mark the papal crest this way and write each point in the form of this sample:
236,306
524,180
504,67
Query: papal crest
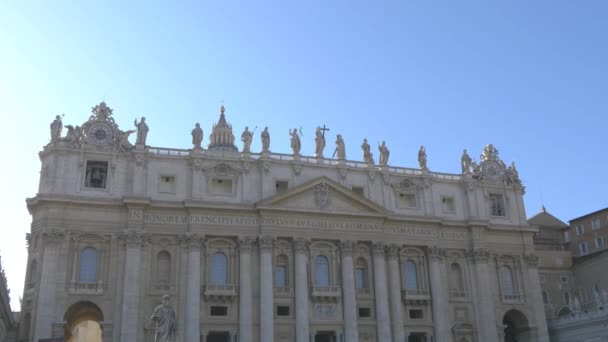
322,194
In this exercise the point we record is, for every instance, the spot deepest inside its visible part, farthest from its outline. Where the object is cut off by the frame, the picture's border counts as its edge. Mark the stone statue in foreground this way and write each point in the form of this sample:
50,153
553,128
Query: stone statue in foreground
142,131
166,322
265,140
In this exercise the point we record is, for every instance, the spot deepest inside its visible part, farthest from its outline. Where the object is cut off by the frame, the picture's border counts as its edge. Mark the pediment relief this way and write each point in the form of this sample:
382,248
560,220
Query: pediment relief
406,185
223,169
322,195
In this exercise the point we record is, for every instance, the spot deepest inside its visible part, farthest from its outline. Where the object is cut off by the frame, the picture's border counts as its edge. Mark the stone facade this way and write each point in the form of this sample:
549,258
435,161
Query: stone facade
275,247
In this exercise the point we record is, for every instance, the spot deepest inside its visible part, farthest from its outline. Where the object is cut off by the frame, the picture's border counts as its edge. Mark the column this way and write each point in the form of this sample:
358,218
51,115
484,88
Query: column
139,171
197,176
534,290
245,291
439,295
351,331
266,290
395,294
193,288
383,329
302,316
130,326
48,281
484,303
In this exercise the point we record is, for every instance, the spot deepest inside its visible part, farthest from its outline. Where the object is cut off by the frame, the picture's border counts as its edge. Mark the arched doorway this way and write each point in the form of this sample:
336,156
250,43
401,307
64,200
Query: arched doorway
83,322
516,326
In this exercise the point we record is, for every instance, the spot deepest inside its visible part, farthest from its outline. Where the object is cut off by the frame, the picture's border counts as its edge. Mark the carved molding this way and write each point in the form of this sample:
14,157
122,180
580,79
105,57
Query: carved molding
479,256
437,254
300,245
266,243
246,244
346,247
53,237
321,195
191,240
133,238
393,250
197,164
532,260
378,248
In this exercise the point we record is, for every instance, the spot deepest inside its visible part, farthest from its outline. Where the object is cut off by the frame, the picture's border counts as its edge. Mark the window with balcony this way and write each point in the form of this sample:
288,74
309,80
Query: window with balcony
411,275
361,274
321,271
163,267
88,265
96,174
456,283
497,205
280,272
219,269
507,284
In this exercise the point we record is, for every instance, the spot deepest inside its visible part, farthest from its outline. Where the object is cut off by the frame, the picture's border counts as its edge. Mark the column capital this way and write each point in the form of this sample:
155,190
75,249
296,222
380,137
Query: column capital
347,247
191,240
393,250
133,238
266,243
246,243
53,237
378,248
437,254
300,245
532,260
478,255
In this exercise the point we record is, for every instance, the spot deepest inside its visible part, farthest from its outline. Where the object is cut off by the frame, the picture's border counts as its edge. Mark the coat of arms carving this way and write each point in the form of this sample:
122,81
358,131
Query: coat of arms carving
322,195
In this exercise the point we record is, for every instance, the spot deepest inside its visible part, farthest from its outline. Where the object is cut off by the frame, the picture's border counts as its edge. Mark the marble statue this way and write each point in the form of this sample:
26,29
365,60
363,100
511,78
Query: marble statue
319,143
384,153
166,322
295,141
74,135
368,156
465,162
197,136
246,138
422,158
123,139
56,127
340,151
142,131
265,140
489,153
512,174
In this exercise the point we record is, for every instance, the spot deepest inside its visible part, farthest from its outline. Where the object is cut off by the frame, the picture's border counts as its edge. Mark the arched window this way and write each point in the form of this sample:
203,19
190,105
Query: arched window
411,275
219,269
163,267
280,272
33,271
321,271
88,265
506,281
456,283
361,274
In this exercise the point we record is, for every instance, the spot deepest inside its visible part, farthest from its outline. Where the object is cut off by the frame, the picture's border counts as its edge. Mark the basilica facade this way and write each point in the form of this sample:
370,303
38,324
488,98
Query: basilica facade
262,246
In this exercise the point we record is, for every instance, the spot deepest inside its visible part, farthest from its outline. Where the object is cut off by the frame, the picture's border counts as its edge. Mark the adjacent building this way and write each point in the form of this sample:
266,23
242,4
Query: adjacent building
587,234
271,246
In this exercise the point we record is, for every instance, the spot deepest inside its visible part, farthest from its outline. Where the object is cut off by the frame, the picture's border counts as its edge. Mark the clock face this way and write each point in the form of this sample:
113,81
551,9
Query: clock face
491,170
100,134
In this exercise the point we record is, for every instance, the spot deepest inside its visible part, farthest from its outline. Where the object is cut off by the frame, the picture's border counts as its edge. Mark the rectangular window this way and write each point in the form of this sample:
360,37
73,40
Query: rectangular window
282,310
497,205
416,314
219,311
358,190
583,249
96,174
599,242
365,312
280,276
407,200
166,184
595,224
281,187
448,204
580,229
221,186
566,236
360,278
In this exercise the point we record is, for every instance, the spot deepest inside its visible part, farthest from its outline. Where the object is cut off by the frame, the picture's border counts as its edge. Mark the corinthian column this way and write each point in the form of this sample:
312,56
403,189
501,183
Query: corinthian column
534,291
348,292
48,283
266,290
383,319
245,293
302,316
395,293
439,295
193,288
129,327
484,303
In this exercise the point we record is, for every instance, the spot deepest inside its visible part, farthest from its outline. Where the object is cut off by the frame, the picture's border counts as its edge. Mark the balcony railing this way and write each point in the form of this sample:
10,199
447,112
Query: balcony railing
512,298
164,287
86,288
326,292
220,291
283,291
457,294
365,291
415,295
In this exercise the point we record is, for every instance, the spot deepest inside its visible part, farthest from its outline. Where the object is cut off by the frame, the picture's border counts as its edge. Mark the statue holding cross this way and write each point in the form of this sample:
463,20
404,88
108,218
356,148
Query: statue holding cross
320,141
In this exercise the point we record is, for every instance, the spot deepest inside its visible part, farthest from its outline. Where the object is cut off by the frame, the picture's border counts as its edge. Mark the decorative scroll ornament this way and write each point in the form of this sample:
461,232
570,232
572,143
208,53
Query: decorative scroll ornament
266,242
133,238
532,260
492,169
393,250
346,247
299,245
246,243
436,253
378,247
478,255
322,195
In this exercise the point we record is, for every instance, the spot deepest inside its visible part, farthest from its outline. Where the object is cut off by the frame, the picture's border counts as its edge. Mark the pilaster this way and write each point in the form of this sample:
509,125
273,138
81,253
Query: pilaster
130,327
395,294
193,243
302,315
484,303
245,291
439,294
383,328
266,290
534,295
351,332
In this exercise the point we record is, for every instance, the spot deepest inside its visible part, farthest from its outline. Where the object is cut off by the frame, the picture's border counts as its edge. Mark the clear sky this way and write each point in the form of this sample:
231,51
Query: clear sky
528,76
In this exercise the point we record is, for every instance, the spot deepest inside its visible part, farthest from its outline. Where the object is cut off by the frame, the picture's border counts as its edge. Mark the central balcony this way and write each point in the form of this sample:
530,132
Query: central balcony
415,296
220,291
92,288
325,293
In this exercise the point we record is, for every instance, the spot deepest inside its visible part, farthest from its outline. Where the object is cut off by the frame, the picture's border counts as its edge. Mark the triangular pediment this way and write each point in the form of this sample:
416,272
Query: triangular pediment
322,195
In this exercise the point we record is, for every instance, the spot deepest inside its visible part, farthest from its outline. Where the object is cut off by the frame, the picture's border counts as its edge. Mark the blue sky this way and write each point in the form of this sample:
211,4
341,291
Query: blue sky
529,77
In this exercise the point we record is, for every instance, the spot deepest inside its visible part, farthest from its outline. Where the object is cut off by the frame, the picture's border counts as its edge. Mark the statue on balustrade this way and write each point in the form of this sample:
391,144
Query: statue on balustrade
166,323
465,162
197,136
368,156
295,141
340,151
422,159
142,131
265,140
56,127
384,153
246,138
319,143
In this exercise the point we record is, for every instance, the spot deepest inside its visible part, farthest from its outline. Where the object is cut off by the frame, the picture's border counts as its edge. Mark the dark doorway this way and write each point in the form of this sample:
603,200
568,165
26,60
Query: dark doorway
325,336
516,327
417,337
218,336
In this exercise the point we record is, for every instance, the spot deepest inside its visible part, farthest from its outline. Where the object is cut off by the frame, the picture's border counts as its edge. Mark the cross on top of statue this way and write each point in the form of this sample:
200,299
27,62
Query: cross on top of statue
323,129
